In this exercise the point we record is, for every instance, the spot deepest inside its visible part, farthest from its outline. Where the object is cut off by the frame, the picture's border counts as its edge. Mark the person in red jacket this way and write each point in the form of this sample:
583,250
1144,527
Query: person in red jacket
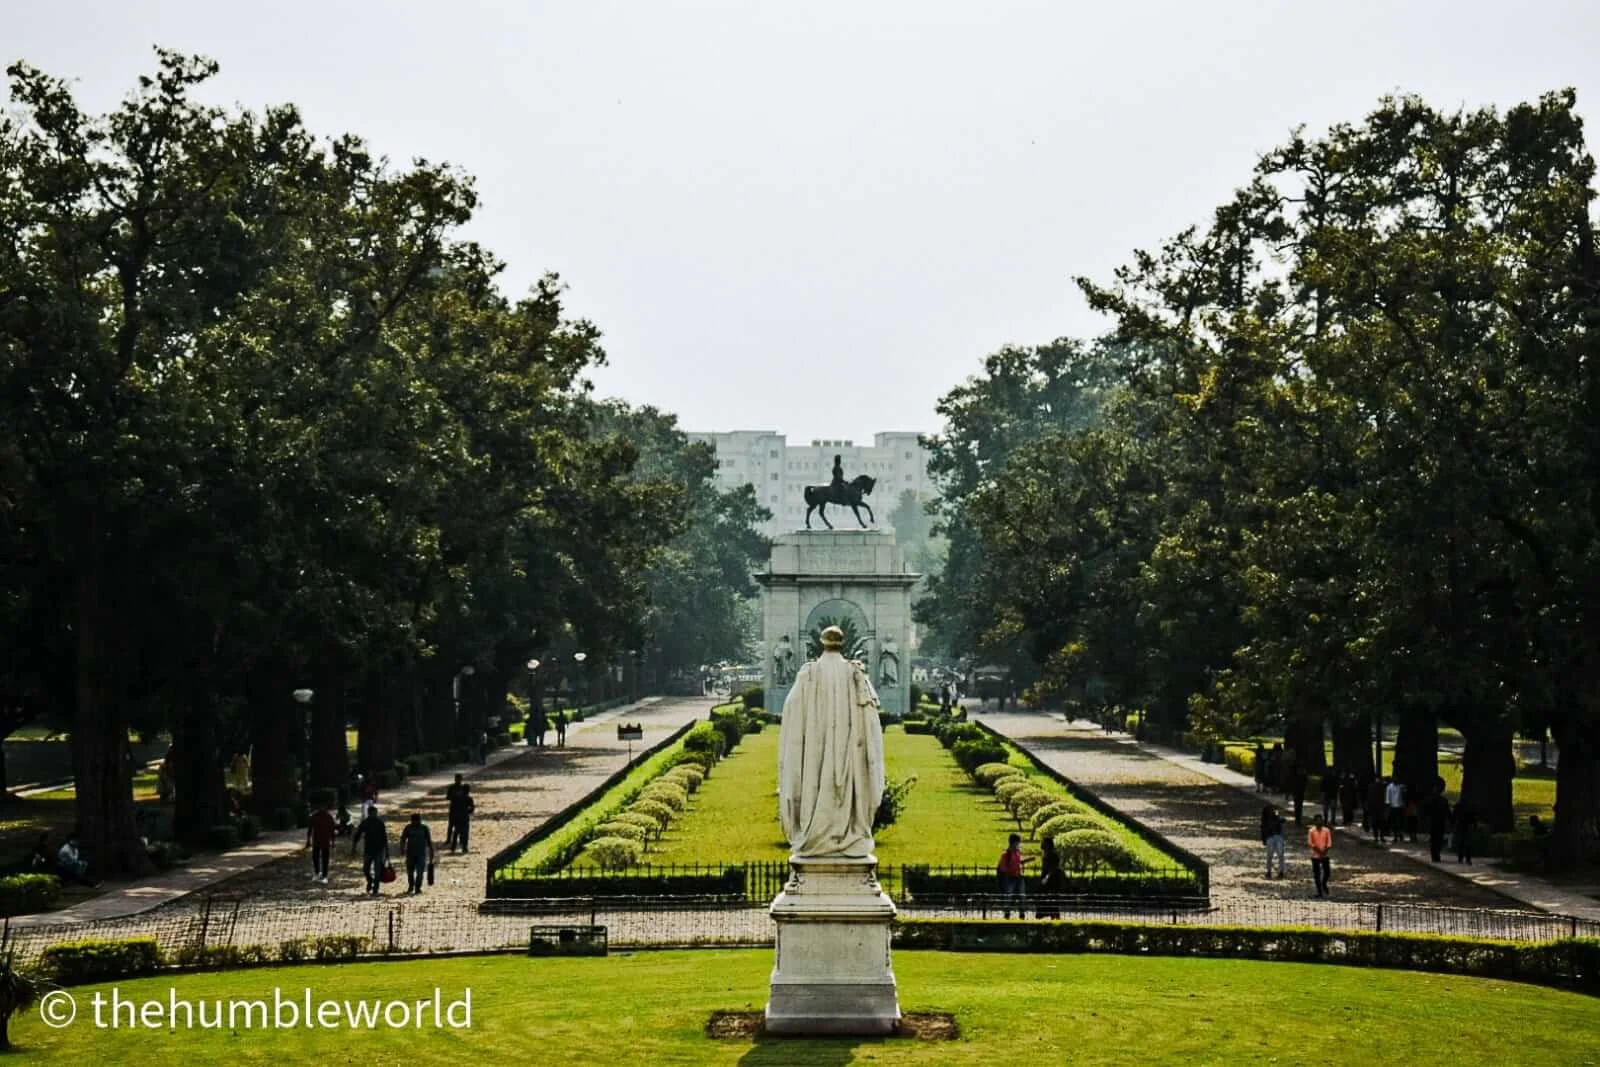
1010,871
319,837
1320,840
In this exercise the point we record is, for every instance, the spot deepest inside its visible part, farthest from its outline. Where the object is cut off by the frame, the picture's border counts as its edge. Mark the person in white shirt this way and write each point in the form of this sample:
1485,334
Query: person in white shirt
70,864
1394,798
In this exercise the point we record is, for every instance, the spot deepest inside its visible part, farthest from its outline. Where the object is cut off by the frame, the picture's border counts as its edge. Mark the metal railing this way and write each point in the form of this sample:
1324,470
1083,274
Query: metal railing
251,930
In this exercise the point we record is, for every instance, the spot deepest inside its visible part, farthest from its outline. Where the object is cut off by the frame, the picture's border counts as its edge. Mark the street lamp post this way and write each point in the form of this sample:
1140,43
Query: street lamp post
466,671
533,701
583,679
303,698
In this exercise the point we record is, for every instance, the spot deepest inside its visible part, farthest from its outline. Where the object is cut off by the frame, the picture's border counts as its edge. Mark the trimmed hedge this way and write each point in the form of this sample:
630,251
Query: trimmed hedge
971,755
83,962
21,894
916,726
1570,963
927,887
730,883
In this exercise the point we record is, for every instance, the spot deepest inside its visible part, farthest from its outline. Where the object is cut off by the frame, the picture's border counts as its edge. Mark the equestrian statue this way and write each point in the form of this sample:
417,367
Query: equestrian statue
849,494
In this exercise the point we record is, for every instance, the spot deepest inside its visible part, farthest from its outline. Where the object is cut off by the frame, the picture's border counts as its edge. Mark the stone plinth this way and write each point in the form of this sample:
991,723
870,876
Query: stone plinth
856,579
833,973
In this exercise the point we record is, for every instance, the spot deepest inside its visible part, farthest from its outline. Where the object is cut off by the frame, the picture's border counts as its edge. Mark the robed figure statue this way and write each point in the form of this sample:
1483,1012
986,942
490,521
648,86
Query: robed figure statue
830,757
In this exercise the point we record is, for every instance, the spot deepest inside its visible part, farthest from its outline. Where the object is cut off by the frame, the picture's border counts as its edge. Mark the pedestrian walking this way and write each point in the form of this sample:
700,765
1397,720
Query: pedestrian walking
450,828
1330,795
374,835
1261,767
461,808
561,729
1394,798
1466,824
1272,837
1349,797
539,725
1438,814
1376,809
416,844
1320,840
320,831
1010,871
1051,881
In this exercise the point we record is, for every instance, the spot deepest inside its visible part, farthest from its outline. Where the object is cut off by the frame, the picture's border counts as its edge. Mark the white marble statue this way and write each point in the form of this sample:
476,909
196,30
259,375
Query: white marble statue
830,758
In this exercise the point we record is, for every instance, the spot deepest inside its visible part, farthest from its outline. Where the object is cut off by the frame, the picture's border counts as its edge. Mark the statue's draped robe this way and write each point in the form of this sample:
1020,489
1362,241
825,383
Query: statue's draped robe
830,761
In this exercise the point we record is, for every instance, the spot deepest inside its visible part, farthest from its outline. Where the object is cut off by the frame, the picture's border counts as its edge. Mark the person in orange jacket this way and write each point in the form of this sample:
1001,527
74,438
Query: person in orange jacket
1320,840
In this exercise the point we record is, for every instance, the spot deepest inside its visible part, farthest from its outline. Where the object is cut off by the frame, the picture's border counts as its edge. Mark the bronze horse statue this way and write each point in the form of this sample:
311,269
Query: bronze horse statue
849,495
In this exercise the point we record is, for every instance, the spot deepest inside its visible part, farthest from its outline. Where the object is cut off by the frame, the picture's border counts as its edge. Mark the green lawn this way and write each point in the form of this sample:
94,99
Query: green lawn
948,818
652,1007
734,817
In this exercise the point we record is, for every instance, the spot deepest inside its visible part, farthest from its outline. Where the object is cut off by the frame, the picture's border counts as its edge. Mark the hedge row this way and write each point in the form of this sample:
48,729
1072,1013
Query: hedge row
21,894
1572,963
926,886
86,962
731,882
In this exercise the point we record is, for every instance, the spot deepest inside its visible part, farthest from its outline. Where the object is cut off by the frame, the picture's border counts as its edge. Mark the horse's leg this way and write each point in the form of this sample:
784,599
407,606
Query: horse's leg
822,513
857,509
809,509
870,515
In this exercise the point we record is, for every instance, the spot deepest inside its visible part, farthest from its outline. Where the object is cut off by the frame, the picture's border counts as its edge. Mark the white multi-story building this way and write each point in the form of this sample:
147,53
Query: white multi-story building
781,471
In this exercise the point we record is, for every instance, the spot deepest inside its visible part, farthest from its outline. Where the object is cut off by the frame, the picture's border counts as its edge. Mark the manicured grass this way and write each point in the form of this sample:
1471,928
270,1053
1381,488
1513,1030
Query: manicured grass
949,820
144,789
1531,794
652,1007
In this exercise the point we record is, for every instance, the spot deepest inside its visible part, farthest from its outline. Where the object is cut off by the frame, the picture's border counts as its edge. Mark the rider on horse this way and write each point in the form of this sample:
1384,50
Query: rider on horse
838,473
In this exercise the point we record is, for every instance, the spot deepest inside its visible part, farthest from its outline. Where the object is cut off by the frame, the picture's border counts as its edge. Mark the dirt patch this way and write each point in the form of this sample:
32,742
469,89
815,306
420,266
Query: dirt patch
746,1025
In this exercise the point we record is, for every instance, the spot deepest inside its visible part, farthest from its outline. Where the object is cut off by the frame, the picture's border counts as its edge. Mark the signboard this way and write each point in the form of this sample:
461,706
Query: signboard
630,733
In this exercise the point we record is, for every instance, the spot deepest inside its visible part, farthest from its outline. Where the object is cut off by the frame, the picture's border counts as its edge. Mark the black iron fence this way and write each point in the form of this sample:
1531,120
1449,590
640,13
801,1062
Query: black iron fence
219,931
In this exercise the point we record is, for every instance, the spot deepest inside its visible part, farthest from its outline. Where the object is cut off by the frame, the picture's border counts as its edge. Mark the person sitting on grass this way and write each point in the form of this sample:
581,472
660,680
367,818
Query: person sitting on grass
71,866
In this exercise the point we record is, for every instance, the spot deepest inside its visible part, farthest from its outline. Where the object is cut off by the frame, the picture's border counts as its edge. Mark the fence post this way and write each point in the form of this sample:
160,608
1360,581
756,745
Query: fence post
1573,919
1380,918
205,921
594,910
391,929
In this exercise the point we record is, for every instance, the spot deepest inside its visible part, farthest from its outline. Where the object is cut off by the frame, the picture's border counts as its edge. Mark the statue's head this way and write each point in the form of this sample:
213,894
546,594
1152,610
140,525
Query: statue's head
832,639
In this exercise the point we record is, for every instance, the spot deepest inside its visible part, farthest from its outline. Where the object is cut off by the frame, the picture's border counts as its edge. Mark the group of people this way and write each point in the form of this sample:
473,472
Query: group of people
66,863
539,724
1319,840
1013,883
371,839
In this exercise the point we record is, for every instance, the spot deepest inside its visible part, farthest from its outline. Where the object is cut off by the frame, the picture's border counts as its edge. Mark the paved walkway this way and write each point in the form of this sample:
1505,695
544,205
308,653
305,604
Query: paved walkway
278,864
1215,812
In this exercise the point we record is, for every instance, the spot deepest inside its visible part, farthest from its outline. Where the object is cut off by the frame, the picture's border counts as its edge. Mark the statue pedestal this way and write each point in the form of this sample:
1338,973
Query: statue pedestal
833,973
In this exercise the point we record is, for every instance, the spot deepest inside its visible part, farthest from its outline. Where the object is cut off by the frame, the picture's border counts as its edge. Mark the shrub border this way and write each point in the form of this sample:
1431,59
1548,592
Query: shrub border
1197,866
558,822
1568,963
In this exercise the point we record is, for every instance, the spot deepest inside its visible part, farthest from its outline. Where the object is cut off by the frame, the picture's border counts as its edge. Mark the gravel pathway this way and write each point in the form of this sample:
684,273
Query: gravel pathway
1221,825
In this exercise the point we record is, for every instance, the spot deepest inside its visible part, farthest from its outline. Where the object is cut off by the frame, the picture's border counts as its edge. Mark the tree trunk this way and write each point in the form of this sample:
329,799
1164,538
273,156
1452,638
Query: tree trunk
197,771
1575,838
1487,767
1352,746
107,829
1304,734
330,756
377,741
1416,751
277,733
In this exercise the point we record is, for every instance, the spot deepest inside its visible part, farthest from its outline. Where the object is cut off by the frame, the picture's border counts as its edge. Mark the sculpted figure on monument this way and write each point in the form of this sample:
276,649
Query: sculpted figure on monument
849,494
830,757
888,664
783,661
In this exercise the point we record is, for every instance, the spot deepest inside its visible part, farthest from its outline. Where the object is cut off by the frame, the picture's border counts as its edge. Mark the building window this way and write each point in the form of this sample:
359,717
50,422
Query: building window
908,455
773,454
774,475
908,477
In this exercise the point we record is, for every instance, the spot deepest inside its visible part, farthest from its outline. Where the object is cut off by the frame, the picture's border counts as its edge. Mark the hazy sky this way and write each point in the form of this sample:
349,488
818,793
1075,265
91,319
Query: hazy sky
818,217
